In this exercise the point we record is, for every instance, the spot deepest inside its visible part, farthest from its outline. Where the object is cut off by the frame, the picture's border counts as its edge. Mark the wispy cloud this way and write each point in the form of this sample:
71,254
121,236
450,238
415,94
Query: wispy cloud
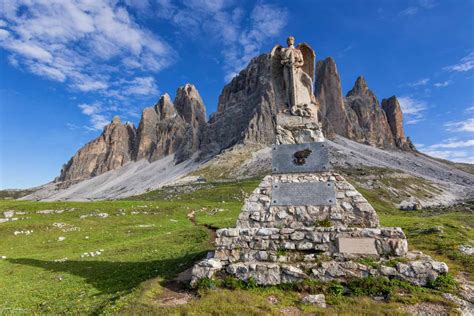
461,126
240,33
452,149
94,112
413,109
409,11
442,84
415,9
81,43
420,82
465,64
454,143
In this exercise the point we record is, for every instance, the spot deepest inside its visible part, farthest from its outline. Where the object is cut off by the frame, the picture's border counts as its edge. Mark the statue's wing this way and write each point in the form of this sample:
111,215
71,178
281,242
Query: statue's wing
308,56
276,65
277,77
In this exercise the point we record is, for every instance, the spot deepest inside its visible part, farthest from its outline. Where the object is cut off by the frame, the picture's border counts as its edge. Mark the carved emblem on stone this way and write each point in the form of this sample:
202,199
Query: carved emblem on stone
301,155
293,74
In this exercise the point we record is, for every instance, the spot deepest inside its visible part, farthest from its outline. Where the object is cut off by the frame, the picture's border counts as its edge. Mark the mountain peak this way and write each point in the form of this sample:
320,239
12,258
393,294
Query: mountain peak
360,88
165,107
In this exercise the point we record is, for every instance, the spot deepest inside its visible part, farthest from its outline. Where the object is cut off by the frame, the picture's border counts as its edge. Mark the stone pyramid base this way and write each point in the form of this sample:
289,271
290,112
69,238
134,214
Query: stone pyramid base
275,244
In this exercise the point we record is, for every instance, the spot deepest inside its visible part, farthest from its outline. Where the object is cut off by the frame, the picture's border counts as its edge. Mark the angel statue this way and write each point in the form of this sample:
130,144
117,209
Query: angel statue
293,73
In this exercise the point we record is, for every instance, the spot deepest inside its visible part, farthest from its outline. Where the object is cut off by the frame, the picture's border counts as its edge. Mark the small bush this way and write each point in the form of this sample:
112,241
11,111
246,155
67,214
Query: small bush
444,283
336,289
206,284
251,283
281,252
370,286
323,223
369,262
233,283
393,262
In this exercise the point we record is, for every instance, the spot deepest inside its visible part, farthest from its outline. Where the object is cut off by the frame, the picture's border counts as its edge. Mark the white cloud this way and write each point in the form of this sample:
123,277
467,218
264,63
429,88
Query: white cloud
452,155
223,23
455,144
428,4
80,42
421,82
461,126
409,11
96,117
469,109
465,64
412,109
442,84
452,149
141,85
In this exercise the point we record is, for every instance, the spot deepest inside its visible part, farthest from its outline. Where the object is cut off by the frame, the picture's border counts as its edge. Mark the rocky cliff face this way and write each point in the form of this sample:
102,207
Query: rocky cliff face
245,111
369,122
395,120
328,91
111,150
167,128
245,114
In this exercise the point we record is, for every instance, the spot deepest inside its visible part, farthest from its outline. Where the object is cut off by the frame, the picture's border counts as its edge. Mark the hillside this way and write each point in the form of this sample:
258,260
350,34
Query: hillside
127,256
448,183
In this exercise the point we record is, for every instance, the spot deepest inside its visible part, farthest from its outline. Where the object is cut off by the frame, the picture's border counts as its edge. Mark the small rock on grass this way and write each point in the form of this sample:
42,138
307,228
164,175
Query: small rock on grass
317,299
467,250
272,299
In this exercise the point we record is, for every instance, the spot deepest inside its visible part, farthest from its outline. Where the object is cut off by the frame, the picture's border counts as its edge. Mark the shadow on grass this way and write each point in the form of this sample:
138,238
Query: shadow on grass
112,277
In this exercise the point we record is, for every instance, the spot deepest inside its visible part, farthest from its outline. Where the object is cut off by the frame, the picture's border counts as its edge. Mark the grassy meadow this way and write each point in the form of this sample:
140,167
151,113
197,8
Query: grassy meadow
119,257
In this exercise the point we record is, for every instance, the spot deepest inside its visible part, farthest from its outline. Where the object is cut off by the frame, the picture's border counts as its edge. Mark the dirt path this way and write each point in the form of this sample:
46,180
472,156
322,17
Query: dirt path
176,291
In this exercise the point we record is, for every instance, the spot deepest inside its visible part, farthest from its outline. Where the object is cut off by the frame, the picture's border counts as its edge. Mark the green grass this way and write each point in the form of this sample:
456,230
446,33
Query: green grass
141,240
147,240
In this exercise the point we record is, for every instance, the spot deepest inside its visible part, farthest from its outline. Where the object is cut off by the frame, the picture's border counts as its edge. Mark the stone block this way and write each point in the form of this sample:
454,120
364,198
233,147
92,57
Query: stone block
357,246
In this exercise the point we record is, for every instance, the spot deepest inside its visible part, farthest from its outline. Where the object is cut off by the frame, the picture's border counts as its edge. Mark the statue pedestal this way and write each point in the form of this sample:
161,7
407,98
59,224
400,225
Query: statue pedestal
306,221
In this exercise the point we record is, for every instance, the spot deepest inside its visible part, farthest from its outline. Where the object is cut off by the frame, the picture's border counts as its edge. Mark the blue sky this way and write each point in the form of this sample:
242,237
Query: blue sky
67,67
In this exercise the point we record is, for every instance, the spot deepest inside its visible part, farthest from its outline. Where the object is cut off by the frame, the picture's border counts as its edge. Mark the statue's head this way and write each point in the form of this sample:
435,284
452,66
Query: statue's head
290,40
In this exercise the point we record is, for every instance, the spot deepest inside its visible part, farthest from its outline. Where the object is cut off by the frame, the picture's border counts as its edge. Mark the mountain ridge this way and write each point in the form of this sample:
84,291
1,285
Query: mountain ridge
245,114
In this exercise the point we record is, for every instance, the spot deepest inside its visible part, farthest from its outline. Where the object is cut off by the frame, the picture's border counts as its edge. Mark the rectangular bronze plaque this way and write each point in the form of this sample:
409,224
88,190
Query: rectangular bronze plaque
303,193
362,246
296,158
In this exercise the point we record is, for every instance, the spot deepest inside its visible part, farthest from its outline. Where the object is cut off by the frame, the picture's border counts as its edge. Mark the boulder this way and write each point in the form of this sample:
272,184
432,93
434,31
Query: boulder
318,299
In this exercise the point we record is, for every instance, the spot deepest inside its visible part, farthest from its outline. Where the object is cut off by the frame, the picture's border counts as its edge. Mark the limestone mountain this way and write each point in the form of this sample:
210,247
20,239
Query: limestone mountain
110,151
245,115
167,128
245,111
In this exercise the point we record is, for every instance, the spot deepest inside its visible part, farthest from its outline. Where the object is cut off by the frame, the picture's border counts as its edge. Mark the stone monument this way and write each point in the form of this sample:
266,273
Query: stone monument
304,220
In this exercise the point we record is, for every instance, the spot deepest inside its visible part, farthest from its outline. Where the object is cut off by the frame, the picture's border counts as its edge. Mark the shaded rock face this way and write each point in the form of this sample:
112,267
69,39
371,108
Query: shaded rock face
246,109
160,131
368,120
328,91
394,115
167,128
111,150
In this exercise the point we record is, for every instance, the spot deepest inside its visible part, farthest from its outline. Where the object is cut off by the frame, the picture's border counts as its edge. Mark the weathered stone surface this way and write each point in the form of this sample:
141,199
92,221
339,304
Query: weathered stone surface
317,299
245,109
111,150
164,129
328,91
357,246
368,120
395,120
